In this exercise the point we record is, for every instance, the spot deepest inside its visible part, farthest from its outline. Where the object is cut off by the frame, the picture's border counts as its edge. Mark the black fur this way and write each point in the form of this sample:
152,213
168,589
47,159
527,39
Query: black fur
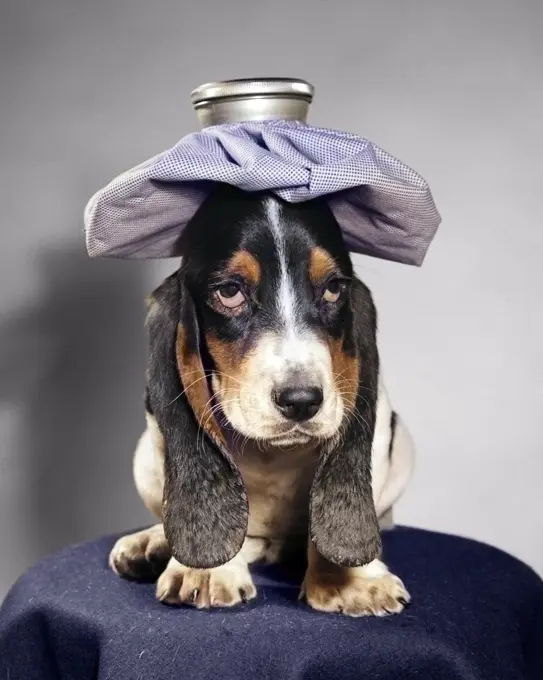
393,421
205,509
148,407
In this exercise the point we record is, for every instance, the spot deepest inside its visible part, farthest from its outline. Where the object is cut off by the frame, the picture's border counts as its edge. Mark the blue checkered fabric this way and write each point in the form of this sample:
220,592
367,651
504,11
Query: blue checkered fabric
384,208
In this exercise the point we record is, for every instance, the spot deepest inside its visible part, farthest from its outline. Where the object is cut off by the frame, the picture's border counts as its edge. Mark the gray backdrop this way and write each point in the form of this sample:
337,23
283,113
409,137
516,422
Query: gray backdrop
453,88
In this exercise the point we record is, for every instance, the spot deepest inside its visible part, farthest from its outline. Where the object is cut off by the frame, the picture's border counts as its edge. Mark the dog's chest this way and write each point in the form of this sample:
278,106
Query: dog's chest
278,486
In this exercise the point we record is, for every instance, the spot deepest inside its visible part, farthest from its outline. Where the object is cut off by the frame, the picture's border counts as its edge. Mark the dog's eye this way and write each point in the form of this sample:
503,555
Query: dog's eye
230,295
333,290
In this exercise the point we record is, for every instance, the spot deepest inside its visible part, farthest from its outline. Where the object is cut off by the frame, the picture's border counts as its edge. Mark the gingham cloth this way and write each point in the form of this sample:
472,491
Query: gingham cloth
384,208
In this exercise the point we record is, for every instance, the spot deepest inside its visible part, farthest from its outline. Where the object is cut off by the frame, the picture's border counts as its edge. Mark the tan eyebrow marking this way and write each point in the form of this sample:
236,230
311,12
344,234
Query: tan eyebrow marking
246,265
321,265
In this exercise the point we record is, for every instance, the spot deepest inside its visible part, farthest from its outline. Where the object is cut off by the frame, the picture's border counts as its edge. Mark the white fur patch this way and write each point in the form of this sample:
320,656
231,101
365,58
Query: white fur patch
374,569
286,299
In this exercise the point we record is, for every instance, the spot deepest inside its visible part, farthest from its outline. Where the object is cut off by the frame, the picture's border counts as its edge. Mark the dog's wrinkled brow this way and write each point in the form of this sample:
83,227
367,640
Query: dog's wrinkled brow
321,265
243,264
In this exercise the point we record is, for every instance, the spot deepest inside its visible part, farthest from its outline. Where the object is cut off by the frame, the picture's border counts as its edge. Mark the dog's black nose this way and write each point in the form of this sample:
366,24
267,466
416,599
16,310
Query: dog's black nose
299,403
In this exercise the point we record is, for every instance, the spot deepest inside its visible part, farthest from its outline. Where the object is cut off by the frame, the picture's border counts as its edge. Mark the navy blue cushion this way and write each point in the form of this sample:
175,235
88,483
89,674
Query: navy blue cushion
477,614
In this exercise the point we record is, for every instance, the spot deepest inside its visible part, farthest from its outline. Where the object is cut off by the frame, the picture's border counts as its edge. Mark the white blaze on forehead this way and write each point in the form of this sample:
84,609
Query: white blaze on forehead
295,348
286,300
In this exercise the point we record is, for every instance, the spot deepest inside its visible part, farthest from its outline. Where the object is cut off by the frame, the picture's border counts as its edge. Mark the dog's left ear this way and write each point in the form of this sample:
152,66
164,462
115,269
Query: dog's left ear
343,521
205,508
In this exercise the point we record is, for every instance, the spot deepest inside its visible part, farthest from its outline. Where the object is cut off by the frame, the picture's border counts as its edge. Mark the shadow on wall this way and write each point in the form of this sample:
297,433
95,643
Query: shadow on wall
72,371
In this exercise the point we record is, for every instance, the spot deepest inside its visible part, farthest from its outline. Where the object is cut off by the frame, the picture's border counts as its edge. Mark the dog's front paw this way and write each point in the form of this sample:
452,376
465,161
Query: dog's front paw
362,591
141,556
223,586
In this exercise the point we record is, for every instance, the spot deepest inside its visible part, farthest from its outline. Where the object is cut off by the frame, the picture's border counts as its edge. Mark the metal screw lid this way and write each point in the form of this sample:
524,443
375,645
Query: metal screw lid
250,99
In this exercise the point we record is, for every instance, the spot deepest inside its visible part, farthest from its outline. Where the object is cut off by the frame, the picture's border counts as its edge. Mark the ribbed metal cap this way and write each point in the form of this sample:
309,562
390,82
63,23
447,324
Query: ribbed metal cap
233,101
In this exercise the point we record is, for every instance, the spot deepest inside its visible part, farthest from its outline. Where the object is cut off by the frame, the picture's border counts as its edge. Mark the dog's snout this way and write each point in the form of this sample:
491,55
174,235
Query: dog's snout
299,403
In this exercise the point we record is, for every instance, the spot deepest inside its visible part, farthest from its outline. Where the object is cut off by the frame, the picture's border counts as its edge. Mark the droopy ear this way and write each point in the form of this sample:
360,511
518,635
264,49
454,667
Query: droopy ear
343,521
205,508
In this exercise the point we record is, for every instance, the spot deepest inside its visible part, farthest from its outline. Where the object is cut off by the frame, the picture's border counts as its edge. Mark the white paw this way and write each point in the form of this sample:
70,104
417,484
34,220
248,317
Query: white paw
355,593
143,555
223,586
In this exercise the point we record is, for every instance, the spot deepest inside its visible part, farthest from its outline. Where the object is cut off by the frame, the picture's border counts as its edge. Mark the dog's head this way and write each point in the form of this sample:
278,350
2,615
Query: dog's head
264,330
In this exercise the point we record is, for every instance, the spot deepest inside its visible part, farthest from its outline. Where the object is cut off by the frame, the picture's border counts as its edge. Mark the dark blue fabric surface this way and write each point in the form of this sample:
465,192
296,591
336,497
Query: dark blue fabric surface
477,613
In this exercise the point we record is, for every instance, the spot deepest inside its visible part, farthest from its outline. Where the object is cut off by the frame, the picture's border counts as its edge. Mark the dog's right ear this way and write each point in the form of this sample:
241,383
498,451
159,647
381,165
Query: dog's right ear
343,521
205,507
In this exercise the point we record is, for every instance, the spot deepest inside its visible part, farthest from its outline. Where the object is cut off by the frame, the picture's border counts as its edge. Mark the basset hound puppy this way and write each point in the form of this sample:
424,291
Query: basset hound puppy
268,425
